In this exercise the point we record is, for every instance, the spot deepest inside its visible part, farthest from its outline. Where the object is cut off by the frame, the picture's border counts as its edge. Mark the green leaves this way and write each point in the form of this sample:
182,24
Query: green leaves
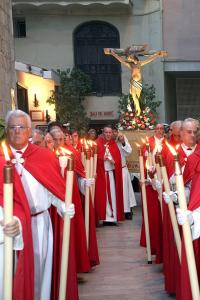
68,99
2,128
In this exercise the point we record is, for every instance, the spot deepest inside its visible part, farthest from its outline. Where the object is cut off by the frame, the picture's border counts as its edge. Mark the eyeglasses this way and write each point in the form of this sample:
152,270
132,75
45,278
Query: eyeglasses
192,132
19,127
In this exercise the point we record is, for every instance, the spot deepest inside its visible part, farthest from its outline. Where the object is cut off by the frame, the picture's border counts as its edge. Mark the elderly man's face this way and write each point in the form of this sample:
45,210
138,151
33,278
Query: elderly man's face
175,132
18,132
38,139
189,134
159,131
108,133
49,142
58,138
75,137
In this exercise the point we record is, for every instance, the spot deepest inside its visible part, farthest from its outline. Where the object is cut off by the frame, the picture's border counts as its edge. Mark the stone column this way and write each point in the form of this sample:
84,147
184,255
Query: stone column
7,63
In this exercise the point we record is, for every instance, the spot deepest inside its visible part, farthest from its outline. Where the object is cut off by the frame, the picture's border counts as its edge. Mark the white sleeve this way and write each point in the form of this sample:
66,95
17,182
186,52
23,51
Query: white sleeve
18,242
81,185
187,191
196,226
127,149
59,204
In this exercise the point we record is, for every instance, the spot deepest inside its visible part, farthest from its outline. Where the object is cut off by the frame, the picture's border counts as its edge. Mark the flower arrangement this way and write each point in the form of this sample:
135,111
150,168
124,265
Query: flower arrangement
130,121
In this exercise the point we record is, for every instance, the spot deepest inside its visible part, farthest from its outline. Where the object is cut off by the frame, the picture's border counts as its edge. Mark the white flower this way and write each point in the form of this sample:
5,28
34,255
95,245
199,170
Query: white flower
147,109
147,124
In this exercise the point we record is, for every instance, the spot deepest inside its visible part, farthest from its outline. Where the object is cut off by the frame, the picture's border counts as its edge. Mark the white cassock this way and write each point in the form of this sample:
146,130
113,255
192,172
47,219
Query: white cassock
128,193
17,245
40,199
111,210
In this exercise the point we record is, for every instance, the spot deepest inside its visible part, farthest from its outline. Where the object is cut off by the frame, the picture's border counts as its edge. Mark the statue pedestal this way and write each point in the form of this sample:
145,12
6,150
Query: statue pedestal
135,136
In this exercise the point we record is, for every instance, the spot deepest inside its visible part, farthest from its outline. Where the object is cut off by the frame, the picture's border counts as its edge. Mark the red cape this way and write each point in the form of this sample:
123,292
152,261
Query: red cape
93,246
154,215
44,167
24,275
155,224
171,263
191,172
100,189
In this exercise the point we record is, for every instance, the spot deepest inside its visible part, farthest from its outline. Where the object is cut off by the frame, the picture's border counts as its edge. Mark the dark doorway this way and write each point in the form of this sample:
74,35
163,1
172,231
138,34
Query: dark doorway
105,71
22,98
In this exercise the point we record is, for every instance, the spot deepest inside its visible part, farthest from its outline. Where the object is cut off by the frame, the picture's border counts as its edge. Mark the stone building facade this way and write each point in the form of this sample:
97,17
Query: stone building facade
7,70
56,29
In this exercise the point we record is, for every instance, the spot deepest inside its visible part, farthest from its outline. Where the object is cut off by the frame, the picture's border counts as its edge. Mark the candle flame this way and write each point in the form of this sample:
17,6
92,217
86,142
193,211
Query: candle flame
63,151
147,140
137,145
90,143
5,151
171,149
143,141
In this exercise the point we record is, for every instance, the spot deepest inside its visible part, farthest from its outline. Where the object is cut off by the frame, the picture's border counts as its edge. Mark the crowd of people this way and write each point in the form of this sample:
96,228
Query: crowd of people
39,207
183,136
39,193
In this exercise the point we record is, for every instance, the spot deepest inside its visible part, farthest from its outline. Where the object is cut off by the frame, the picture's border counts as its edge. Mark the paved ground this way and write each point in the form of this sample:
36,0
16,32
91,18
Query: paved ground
123,273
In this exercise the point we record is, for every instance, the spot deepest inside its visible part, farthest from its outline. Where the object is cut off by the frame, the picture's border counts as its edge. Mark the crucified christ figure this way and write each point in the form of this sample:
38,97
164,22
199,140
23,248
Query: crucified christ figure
130,58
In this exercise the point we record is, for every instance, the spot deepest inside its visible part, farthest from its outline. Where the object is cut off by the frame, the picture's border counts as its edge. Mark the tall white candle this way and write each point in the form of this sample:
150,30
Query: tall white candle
66,231
8,241
87,197
145,209
187,232
171,207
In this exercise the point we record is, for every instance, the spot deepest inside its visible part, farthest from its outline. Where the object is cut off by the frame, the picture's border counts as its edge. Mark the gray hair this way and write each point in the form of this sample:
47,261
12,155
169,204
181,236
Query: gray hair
190,120
177,124
38,131
16,114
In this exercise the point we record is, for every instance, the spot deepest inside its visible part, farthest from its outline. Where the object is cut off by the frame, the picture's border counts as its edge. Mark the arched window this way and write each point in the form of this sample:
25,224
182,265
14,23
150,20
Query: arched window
89,40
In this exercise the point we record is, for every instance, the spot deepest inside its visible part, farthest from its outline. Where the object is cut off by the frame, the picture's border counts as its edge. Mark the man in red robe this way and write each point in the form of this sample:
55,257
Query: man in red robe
24,275
171,261
191,179
43,185
82,256
109,188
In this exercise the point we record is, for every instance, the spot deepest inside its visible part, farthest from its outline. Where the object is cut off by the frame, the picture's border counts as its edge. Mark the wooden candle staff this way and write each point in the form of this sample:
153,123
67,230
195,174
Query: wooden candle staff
8,217
94,169
87,196
83,152
187,232
145,209
159,178
170,205
66,230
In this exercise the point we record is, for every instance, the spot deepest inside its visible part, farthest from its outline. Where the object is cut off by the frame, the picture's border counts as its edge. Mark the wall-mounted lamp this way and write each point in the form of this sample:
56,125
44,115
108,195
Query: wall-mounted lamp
35,101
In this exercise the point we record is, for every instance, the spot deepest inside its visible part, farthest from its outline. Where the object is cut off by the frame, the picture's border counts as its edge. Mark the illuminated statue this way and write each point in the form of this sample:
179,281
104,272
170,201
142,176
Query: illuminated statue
130,58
